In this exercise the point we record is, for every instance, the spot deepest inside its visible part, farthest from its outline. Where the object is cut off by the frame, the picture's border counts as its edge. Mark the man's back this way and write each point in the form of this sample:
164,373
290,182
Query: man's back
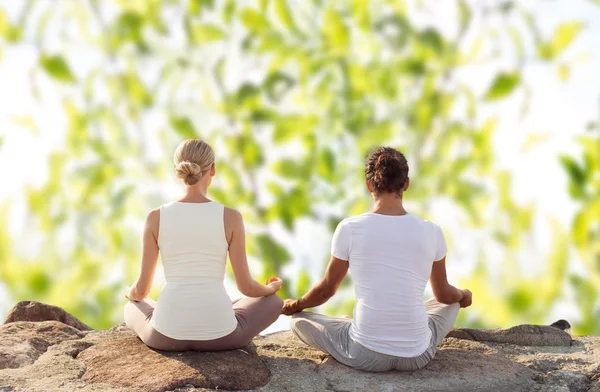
390,259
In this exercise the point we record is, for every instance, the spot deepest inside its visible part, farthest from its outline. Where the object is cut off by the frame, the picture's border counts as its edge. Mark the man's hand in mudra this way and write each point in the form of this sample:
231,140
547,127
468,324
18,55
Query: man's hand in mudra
290,307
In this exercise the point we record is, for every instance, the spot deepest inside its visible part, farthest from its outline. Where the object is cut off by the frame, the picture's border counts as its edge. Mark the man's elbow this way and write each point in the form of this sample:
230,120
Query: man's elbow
326,293
443,297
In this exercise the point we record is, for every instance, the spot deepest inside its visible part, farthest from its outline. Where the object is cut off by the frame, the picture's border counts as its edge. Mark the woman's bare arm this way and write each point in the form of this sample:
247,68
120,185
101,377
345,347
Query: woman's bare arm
236,237
140,289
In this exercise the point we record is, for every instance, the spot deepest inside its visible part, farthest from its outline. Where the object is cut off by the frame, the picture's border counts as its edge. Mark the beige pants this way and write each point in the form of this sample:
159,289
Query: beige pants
253,316
332,335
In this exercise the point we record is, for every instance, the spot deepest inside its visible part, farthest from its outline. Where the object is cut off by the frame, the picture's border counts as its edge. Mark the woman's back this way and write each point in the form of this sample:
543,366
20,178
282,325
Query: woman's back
390,262
193,304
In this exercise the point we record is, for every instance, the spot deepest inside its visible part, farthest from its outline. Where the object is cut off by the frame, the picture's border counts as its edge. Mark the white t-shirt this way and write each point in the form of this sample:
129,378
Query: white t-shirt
390,262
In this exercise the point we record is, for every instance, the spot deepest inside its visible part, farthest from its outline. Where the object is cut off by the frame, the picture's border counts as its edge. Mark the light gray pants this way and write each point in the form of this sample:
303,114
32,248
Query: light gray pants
332,335
253,315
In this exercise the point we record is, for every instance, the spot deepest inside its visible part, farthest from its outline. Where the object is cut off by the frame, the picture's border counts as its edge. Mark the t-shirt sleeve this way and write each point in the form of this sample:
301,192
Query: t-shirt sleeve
440,244
342,241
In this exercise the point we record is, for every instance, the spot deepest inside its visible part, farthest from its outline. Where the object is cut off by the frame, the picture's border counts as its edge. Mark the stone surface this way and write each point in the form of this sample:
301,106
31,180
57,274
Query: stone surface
22,342
525,335
56,357
37,311
127,362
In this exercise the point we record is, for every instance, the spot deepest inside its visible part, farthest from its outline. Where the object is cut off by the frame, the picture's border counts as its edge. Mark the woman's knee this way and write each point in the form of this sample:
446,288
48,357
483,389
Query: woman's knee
274,301
129,313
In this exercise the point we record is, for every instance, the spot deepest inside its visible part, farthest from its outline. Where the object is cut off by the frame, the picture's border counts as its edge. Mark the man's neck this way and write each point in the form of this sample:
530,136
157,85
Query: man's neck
388,204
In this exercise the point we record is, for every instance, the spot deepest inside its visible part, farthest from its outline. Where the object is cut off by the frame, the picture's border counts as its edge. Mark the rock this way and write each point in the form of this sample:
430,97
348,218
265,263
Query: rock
37,311
53,357
22,342
524,335
127,362
450,370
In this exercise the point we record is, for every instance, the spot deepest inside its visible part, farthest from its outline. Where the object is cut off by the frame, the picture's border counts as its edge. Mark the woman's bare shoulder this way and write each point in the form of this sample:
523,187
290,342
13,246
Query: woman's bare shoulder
153,218
232,217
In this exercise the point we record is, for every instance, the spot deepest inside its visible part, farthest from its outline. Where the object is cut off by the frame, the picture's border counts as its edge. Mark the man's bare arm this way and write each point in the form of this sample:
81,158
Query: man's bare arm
322,291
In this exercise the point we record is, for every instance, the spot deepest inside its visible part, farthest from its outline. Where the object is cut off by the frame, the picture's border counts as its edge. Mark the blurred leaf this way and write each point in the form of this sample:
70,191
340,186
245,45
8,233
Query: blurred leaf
291,168
253,20
303,283
229,10
57,68
563,72
203,33
533,139
4,22
503,85
246,92
251,152
128,28
326,166
11,33
282,10
506,6
465,14
195,7
136,89
293,126
184,127
271,249
277,84
27,122
431,38
576,174
520,299
517,42
335,31
360,9
564,36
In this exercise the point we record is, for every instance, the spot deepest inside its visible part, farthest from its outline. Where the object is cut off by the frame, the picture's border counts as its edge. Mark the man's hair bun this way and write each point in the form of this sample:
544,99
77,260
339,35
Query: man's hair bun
386,170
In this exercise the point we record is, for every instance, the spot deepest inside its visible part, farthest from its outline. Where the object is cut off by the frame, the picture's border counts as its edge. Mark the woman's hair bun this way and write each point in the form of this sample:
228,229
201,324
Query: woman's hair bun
189,172
193,158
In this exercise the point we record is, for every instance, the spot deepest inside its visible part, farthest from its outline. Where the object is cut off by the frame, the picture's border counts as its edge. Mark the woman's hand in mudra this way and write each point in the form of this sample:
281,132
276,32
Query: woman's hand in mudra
274,283
127,293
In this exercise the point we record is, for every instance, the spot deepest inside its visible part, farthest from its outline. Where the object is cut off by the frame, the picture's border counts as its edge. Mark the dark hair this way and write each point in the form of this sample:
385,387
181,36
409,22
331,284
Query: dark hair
386,170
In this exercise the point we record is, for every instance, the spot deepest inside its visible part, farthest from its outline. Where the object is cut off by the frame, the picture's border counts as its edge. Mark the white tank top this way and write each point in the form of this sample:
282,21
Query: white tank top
193,304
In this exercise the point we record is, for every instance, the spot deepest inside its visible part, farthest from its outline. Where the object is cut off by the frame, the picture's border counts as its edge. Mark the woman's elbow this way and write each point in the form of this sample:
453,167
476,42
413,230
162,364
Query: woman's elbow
245,289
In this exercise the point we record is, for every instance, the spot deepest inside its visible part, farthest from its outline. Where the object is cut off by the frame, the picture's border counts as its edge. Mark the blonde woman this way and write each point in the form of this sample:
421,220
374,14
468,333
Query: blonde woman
193,236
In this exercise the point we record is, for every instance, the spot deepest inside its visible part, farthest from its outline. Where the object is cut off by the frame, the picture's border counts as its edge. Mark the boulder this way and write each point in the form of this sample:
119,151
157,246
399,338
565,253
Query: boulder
50,356
127,362
22,342
37,311
524,335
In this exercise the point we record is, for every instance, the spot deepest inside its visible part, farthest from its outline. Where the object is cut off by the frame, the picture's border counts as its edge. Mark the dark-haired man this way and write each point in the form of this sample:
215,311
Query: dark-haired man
391,255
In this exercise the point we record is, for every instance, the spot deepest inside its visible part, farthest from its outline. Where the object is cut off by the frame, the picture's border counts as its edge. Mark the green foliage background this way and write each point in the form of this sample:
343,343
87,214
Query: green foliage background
292,95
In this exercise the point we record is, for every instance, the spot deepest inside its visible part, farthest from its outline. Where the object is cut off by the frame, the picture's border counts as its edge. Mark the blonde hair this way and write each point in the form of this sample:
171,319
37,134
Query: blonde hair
193,158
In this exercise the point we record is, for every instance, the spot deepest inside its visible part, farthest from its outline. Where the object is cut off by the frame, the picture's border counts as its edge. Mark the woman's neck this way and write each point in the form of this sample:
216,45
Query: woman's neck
195,193
388,204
